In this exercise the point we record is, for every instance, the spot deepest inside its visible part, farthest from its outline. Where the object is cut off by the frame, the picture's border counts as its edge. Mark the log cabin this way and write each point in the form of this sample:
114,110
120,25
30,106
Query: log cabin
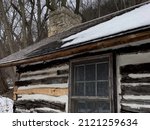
99,66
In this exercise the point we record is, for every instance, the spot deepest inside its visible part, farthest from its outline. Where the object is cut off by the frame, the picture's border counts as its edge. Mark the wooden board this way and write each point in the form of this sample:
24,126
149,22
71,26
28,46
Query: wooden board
47,91
48,80
135,90
28,104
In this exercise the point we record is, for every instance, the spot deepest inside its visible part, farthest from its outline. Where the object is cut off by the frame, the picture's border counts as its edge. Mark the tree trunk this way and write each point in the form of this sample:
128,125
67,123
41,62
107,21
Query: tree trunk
7,26
63,3
3,84
24,23
99,8
77,7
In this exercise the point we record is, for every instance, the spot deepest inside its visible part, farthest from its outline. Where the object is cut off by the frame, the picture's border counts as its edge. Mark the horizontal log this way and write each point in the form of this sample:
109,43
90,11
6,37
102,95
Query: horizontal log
50,80
59,72
47,91
127,79
26,75
135,69
46,71
135,90
28,104
135,101
41,66
134,110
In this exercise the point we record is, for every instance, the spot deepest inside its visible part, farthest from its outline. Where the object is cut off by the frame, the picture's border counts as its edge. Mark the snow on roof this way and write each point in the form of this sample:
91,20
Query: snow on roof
136,18
34,97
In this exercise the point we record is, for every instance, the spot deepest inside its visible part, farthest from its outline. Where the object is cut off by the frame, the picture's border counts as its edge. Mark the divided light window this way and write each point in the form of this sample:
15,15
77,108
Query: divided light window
91,89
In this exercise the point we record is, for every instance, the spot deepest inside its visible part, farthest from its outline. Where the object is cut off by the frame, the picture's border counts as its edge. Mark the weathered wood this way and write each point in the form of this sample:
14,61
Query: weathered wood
24,75
47,91
135,90
134,110
66,71
42,65
50,80
127,79
135,69
136,101
28,104
65,52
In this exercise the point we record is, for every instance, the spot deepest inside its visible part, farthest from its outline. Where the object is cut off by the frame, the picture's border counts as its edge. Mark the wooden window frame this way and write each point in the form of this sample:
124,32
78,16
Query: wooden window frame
110,80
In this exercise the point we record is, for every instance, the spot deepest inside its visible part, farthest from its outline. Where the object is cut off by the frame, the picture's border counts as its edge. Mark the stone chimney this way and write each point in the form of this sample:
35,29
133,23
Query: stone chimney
61,20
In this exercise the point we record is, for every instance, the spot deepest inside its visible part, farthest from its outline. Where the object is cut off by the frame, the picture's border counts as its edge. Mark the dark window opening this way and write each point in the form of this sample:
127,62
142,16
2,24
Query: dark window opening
91,89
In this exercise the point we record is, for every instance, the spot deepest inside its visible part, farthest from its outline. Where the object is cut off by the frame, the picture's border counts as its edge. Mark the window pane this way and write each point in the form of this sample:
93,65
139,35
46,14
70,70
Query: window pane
81,107
91,107
90,72
90,89
103,107
79,73
102,71
86,106
102,89
79,89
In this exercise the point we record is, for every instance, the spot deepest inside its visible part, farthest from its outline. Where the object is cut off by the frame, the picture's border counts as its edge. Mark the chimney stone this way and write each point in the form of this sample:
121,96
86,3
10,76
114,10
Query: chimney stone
61,20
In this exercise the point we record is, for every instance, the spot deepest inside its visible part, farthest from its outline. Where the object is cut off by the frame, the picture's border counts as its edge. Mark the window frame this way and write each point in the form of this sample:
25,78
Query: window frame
93,60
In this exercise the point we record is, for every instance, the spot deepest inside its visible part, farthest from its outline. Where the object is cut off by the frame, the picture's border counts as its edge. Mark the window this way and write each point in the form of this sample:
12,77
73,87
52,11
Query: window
91,89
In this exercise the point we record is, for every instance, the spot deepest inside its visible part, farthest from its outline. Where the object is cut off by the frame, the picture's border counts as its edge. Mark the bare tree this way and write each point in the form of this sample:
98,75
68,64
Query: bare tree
7,26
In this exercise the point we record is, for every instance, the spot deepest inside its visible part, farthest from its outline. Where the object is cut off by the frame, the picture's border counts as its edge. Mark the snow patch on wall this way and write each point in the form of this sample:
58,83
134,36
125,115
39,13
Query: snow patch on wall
63,85
33,97
133,59
35,110
38,77
138,106
146,97
48,109
134,84
42,77
18,110
139,75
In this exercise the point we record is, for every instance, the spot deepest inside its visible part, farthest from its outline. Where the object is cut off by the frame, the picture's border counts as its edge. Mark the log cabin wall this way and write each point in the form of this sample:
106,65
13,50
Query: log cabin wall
43,90
133,75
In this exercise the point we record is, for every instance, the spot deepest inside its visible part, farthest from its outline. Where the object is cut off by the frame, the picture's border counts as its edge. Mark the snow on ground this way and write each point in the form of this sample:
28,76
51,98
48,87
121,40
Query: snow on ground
6,105
33,97
134,19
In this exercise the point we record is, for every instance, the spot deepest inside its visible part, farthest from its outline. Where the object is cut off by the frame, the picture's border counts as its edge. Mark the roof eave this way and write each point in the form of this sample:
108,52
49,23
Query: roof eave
111,41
